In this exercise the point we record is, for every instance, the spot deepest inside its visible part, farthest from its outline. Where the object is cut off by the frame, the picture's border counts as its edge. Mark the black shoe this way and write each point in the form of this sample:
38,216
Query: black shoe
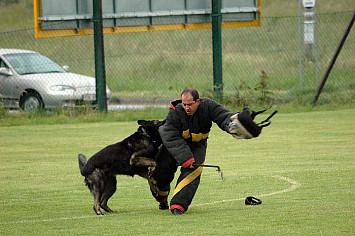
177,212
164,205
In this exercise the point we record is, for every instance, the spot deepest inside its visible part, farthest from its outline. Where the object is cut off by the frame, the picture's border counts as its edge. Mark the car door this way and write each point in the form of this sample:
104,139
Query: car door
9,92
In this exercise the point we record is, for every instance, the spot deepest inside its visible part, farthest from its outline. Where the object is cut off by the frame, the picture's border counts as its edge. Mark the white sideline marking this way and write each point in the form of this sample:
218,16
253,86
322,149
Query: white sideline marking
294,186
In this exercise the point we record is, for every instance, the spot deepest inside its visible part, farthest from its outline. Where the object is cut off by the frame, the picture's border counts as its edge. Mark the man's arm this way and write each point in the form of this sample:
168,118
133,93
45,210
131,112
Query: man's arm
220,115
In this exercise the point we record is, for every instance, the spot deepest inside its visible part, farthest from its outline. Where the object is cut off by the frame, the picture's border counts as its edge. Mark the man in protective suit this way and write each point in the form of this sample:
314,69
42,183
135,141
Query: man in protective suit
184,136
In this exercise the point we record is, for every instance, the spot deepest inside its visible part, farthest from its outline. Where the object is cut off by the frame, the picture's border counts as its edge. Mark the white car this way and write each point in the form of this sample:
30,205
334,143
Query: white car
32,81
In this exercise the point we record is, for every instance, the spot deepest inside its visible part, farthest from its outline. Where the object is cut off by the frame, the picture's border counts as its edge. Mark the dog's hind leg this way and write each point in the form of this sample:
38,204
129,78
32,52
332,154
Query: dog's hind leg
110,189
97,196
97,189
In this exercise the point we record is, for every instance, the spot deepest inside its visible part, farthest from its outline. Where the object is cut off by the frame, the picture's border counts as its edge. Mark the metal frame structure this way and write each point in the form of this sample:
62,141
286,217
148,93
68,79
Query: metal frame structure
57,19
79,20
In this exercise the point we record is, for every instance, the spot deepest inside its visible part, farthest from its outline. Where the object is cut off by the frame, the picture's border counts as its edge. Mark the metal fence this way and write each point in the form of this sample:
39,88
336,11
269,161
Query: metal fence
259,64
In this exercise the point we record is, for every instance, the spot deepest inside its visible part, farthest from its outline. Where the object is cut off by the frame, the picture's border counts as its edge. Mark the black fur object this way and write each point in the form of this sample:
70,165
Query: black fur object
134,155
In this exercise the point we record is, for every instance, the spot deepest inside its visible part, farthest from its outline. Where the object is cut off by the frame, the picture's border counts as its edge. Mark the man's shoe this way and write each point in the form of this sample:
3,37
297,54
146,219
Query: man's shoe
177,212
164,205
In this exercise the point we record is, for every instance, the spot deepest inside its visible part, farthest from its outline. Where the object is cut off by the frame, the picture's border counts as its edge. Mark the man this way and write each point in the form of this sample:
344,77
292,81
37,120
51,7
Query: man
184,136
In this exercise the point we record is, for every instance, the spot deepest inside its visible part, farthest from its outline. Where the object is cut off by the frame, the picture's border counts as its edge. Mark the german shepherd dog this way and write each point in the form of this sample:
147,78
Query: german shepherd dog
134,155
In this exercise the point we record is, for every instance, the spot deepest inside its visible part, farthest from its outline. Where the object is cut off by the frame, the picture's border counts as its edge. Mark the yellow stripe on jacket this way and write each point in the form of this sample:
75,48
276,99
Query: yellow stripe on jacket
194,137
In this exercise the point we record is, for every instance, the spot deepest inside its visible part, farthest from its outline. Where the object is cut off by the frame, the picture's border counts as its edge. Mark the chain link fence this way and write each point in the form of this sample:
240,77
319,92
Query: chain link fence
259,64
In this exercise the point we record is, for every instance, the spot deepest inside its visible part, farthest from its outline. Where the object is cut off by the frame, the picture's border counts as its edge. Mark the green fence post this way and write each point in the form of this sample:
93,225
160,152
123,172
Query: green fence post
99,56
217,49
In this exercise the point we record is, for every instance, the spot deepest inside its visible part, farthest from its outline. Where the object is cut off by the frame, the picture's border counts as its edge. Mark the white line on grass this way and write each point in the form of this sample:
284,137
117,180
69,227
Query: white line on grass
294,186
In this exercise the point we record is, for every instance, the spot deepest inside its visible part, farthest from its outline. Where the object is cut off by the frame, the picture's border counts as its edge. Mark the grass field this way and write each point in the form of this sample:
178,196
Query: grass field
302,167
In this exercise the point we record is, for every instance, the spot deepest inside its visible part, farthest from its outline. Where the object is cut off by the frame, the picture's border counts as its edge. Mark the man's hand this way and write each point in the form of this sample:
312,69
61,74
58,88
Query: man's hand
236,129
189,163
233,127
191,166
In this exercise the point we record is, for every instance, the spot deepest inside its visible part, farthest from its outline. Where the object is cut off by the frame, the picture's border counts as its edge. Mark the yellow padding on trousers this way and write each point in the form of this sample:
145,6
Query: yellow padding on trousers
188,179
163,193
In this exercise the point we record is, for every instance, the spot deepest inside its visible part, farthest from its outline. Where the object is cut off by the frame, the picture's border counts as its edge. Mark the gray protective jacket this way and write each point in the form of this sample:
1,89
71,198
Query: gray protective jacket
181,131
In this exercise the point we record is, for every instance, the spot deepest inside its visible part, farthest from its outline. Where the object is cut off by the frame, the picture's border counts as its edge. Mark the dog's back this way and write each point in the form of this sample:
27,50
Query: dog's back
115,158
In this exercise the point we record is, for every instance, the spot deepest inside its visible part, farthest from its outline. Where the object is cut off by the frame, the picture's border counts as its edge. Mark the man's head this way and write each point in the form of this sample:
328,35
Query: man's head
190,100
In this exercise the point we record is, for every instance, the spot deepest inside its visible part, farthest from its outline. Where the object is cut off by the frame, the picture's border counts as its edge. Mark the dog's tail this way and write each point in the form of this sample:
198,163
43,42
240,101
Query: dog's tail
82,163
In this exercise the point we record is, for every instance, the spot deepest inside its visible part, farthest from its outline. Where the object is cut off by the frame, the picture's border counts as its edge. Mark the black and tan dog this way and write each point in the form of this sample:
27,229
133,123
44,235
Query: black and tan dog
132,156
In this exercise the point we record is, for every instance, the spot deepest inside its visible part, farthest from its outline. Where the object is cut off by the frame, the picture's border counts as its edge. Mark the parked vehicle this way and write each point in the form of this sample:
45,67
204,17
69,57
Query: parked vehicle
32,81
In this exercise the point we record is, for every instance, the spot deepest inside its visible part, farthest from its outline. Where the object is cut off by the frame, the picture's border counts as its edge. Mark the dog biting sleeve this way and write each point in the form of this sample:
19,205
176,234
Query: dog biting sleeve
175,144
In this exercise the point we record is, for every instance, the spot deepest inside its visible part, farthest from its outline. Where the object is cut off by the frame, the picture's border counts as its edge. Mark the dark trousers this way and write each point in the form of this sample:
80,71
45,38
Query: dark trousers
188,180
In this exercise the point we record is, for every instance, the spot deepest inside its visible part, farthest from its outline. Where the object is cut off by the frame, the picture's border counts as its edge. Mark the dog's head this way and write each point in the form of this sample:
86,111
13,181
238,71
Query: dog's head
150,127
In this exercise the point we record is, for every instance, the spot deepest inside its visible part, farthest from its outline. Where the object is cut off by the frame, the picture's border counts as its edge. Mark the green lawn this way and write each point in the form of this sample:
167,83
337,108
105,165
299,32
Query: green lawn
302,167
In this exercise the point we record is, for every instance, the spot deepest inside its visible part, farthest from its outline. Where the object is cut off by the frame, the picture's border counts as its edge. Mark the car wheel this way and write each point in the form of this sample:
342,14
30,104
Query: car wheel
31,102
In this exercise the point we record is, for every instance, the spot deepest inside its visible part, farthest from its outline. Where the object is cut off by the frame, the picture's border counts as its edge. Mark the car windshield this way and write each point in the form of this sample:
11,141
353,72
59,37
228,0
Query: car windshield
33,63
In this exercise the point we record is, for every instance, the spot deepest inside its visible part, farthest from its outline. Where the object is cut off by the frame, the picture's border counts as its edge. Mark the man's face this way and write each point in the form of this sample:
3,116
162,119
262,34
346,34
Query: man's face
190,106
